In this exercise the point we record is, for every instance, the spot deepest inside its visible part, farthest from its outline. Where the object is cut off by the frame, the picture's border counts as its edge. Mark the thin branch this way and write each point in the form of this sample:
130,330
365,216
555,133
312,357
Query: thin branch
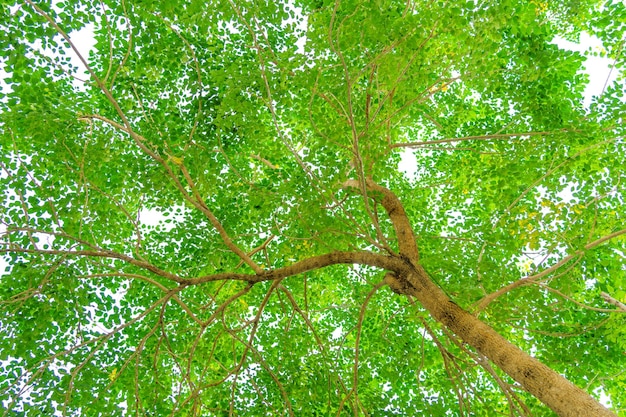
485,301
497,136
359,329
198,73
129,48
613,66
95,254
150,281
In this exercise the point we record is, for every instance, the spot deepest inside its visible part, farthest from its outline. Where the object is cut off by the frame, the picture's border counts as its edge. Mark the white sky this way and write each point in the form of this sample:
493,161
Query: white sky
598,69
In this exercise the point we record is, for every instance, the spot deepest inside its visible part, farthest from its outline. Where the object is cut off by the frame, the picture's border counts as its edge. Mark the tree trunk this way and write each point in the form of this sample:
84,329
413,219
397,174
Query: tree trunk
563,397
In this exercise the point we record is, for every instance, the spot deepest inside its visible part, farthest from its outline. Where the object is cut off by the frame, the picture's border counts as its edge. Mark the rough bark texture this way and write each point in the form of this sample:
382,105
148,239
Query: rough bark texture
549,387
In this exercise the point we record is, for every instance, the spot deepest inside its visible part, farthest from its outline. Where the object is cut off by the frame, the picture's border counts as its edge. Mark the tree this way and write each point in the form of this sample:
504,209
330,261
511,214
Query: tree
267,138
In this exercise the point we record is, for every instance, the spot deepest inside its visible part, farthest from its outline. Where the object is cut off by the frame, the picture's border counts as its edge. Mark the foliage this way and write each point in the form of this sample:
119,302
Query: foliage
235,124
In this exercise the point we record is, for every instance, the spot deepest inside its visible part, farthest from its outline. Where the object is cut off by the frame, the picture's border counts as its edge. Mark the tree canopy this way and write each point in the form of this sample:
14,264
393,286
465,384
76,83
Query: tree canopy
311,208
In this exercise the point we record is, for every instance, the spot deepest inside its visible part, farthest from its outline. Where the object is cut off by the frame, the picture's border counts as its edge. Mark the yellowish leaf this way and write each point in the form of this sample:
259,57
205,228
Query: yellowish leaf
175,159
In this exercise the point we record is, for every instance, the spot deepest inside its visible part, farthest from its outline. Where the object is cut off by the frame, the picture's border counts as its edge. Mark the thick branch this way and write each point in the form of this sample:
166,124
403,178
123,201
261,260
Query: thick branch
397,214
309,264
